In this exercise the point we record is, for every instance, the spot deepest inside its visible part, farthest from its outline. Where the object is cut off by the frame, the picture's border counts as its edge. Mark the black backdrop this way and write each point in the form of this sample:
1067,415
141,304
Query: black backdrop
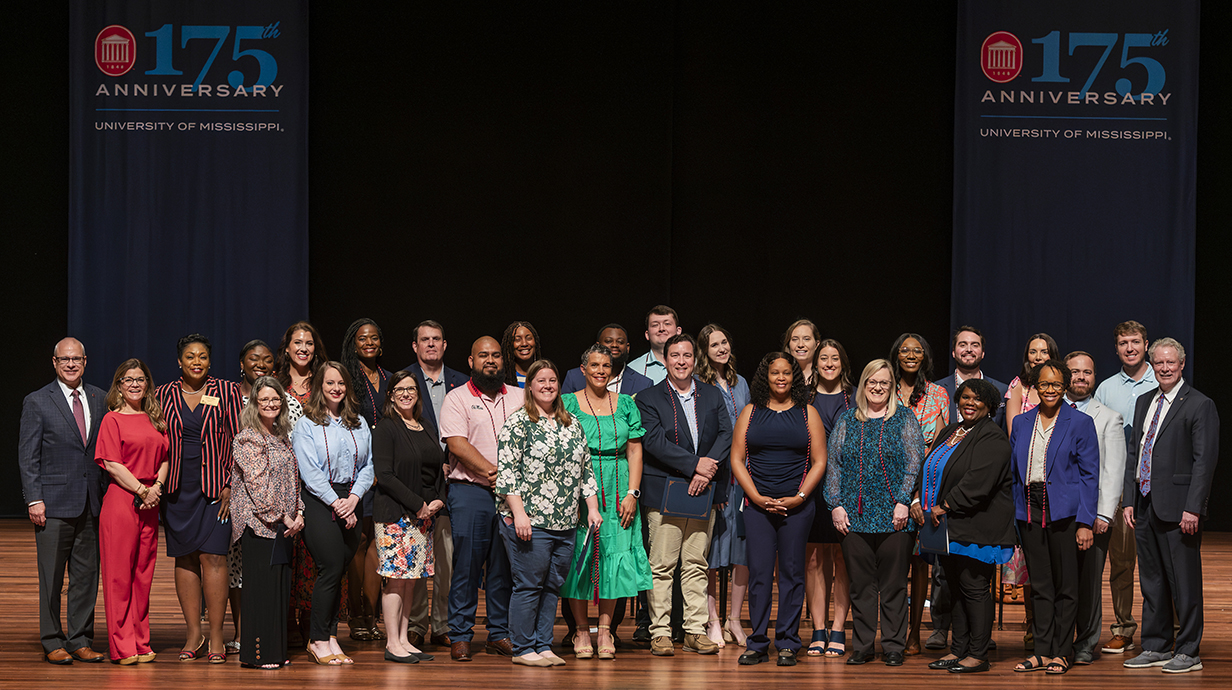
577,164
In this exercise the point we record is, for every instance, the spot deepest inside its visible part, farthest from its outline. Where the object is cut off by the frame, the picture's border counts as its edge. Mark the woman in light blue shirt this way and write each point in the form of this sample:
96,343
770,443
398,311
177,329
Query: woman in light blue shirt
334,450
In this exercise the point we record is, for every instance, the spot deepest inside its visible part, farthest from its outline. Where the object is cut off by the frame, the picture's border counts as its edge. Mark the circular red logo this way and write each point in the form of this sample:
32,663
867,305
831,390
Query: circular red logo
1001,56
115,50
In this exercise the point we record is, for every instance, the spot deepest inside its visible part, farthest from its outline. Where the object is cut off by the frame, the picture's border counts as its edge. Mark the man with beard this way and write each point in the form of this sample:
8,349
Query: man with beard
1108,426
623,380
661,324
470,419
967,347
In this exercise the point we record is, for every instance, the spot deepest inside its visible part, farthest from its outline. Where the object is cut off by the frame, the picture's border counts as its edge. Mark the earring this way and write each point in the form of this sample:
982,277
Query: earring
380,351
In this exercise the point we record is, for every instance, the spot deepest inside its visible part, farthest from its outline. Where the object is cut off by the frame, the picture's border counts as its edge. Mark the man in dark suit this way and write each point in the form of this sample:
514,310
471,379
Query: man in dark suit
623,380
1172,457
435,380
688,438
63,488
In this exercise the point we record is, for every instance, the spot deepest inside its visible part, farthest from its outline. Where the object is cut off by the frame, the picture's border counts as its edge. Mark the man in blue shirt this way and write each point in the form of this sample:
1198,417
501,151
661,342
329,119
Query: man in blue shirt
661,324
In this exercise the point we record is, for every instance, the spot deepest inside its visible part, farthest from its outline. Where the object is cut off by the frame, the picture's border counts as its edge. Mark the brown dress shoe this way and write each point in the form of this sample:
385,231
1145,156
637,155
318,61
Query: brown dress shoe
416,639
87,655
502,647
439,640
1119,644
59,657
460,651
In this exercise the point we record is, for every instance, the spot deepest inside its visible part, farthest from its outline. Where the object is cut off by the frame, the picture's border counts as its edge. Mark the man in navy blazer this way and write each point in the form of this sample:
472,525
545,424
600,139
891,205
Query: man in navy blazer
63,487
435,380
623,379
967,347
688,438
1172,457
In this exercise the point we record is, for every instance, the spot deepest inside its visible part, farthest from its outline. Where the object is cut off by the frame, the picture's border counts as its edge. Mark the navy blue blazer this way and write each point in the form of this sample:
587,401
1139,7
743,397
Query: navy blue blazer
1183,458
1072,468
452,378
668,448
631,382
947,383
57,468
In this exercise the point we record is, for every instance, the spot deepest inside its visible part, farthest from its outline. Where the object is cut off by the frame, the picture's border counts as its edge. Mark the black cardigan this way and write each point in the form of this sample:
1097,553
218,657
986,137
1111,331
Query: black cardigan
976,486
408,469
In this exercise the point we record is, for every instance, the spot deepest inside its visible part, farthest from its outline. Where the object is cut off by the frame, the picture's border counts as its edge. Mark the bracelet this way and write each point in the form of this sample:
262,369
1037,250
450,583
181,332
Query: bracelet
915,501
143,491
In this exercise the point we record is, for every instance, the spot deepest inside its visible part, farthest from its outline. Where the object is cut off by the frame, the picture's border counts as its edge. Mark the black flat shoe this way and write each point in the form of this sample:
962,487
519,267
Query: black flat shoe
752,658
858,658
943,664
408,659
422,657
893,658
978,668
787,657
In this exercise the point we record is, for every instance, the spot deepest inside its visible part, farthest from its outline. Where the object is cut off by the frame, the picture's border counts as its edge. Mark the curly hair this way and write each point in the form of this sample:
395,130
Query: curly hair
985,391
705,369
350,358
282,361
511,368
759,387
922,377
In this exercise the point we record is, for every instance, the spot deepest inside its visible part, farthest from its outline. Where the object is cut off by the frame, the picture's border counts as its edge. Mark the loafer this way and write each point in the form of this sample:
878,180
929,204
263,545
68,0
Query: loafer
1119,644
59,657
662,646
87,655
439,640
978,668
408,659
858,658
943,664
787,657
751,658
1148,659
1183,663
699,644
893,659
460,651
416,639
502,647
937,640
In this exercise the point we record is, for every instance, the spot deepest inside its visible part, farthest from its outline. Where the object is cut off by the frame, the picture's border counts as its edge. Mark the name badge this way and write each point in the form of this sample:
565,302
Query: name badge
210,400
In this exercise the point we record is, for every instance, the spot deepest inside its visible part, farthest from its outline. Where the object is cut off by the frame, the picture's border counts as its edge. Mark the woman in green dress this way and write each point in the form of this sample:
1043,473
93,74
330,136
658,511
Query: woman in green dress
616,566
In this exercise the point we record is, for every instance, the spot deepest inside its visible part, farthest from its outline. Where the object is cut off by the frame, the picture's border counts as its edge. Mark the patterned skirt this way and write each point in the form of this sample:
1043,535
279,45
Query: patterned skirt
404,548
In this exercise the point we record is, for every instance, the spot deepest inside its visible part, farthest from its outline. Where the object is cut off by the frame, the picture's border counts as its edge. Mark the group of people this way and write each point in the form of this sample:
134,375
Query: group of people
623,479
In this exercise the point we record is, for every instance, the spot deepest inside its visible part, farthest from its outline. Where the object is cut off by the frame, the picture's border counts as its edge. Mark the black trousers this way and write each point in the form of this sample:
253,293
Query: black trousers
67,543
263,639
1090,619
1170,577
1052,564
971,612
877,566
332,546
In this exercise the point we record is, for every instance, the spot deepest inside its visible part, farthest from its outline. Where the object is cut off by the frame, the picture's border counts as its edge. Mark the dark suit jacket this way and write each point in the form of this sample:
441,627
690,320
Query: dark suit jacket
668,448
631,382
57,468
947,383
452,379
976,486
408,469
1183,458
1071,469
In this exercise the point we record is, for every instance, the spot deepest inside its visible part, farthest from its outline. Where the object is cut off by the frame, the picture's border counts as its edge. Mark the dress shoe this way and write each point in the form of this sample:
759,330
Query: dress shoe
408,659
87,655
59,657
662,646
787,657
1119,644
751,658
913,648
858,658
893,659
943,664
937,640
502,647
978,668
700,644
460,651
641,635
414,638
441,640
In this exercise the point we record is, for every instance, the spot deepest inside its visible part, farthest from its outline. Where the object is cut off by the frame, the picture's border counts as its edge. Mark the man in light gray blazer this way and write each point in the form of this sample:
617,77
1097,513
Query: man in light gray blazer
63,487
1110,428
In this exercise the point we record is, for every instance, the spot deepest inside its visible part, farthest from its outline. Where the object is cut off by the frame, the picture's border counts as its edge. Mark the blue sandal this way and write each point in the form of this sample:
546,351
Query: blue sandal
822,636
837,637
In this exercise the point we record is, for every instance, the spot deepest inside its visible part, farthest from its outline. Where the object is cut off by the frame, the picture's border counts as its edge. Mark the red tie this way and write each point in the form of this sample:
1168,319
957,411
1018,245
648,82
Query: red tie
79,413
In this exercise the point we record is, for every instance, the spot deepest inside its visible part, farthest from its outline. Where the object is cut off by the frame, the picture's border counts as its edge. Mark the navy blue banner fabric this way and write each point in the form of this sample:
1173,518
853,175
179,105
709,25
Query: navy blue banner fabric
1074,173
189,177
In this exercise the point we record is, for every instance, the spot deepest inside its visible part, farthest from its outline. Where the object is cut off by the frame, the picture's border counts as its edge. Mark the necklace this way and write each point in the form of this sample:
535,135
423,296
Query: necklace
491,417
1026,485
372,393
808,450
329,465
615,441
676,422
880,460
185,391
412,424
933,469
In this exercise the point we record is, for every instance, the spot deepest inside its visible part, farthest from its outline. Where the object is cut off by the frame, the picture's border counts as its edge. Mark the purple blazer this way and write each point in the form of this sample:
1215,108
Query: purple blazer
1072,468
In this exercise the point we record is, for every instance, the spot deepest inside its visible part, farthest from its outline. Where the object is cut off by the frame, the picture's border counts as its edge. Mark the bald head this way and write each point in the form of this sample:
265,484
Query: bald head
68,358
487,369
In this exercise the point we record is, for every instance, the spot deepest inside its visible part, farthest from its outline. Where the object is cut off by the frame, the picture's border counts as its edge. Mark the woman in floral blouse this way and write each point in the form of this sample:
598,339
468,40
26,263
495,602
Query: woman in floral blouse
543,468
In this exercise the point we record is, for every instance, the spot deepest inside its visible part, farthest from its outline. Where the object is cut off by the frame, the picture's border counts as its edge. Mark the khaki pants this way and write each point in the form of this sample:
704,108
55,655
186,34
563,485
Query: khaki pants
687,541
442,553
1122,554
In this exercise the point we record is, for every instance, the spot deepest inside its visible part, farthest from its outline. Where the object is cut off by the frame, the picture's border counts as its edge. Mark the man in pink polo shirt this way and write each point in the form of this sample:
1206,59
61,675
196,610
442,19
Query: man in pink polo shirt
471,417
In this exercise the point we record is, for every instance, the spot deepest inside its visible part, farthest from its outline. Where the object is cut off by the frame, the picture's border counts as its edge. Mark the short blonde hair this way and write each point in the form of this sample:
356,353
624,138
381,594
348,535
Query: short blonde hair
862,397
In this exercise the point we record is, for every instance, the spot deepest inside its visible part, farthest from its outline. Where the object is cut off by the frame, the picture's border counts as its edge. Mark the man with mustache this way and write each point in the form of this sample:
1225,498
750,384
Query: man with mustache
623,380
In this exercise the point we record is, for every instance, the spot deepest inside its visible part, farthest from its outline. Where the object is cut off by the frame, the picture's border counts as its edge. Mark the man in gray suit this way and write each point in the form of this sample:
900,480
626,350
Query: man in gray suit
63,488
1110,427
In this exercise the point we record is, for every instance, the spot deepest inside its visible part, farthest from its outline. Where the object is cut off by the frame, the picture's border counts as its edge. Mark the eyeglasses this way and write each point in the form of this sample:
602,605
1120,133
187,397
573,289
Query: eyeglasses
1050,386
405,390
878,385
269,402
917,351
130,380
70,360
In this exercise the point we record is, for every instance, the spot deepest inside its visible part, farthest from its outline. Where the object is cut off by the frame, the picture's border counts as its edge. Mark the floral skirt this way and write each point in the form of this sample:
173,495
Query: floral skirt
404,549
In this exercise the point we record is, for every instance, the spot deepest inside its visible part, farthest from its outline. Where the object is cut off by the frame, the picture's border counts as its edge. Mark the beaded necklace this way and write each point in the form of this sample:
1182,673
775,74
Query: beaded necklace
491,417
329,465
731,396
615,442
880,460
932,474
1026,486
676,422
372,393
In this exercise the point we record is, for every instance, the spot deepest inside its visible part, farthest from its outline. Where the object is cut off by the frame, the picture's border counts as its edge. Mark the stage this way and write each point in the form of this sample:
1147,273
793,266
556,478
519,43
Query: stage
24,665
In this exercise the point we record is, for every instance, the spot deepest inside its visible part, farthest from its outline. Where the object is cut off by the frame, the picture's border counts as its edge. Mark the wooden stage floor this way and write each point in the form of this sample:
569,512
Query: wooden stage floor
22,664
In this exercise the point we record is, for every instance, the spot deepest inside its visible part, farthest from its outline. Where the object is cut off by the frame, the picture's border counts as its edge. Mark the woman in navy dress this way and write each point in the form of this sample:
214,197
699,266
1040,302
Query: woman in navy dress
202,415
778,457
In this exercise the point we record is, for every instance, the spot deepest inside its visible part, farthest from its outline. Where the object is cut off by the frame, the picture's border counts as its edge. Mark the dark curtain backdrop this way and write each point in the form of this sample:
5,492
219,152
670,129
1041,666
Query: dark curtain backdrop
577,164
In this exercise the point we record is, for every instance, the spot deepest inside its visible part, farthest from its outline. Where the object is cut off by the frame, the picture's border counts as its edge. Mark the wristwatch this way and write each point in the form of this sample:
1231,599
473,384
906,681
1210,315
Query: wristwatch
635,493
801,495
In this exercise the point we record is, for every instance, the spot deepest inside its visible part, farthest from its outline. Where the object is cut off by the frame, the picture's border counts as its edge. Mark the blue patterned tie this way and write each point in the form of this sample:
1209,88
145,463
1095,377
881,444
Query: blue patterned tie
1144,473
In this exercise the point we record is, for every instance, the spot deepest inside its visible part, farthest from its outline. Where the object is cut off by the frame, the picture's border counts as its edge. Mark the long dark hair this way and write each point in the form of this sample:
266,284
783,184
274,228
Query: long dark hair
1053,353
282,363
844,378
350,358
926,367
759,387
511,368
391,408
705,370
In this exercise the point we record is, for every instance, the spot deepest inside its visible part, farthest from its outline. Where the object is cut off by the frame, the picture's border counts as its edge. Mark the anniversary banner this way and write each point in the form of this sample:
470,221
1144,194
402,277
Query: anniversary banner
189,177
1074,173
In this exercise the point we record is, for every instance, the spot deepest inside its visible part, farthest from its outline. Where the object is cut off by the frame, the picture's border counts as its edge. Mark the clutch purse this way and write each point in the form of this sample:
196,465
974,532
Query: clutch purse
678,503
935,540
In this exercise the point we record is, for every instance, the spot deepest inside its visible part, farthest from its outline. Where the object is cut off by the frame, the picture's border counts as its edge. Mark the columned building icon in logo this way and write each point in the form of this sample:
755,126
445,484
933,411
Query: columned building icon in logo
115,50
1001,56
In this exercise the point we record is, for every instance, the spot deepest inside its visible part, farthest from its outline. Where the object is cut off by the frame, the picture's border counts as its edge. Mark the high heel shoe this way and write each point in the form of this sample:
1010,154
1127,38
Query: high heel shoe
606,653
734,628
718,637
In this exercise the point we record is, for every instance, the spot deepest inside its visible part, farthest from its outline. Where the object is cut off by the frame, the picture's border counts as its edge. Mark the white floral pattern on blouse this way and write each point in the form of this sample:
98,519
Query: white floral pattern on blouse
548,466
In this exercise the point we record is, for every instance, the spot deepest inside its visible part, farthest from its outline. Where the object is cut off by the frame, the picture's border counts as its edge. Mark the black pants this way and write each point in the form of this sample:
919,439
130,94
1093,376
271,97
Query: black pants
332,546
1090,615
67,543
877,566
1170,576
263,639
971,613
1052,563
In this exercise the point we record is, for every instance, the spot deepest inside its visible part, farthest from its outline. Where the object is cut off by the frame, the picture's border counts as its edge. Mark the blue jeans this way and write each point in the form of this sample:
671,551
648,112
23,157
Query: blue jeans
476,545
538,567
